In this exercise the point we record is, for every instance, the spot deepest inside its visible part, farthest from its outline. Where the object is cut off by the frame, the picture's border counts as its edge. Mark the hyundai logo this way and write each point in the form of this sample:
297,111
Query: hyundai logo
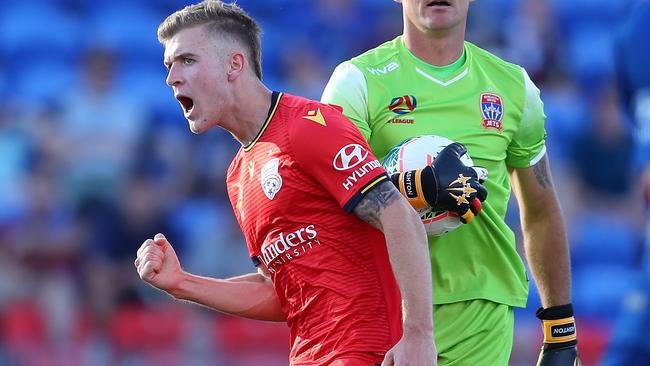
349,156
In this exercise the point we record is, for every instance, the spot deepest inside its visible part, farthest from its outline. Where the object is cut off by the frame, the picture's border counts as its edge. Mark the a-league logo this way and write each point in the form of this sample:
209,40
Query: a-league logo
403,105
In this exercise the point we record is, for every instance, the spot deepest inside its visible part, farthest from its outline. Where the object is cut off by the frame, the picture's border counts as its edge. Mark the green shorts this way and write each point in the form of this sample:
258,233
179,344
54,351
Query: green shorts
473,333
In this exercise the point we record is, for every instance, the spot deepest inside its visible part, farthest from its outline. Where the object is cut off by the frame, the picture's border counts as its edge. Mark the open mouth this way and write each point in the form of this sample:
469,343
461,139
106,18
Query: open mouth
186,102
438,3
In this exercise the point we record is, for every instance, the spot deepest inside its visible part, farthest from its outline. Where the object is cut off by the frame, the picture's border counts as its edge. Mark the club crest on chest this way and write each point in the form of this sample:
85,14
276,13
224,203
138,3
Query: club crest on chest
270,178
492,111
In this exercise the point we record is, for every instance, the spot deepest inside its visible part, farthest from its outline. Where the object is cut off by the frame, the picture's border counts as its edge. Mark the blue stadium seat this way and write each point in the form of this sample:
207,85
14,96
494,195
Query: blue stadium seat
146,85
590,22
573,13
598,291
130,30
43,80
567,118
594,64
603,239
35,30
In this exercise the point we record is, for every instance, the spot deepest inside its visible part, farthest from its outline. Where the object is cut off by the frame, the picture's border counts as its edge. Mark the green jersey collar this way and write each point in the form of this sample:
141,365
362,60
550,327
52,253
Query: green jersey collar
443,75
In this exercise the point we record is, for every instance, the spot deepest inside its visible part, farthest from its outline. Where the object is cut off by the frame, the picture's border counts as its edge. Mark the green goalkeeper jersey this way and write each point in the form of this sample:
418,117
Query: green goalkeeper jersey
481,101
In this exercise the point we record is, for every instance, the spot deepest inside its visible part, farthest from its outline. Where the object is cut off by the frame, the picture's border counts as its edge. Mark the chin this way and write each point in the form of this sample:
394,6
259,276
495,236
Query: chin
194,128
434,27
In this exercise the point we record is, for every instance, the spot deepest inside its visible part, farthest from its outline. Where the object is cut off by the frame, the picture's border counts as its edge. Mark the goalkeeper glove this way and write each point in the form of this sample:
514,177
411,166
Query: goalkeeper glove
445,185
560,338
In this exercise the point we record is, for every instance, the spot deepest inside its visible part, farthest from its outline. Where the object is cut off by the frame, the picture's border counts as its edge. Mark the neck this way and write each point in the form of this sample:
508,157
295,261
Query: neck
248,116
438,48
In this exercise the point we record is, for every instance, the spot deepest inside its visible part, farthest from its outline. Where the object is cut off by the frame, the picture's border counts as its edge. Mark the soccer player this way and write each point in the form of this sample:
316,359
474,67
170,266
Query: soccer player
430,81
334,242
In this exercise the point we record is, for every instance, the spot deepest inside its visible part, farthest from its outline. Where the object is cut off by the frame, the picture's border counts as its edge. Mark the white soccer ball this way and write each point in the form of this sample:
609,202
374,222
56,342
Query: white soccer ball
418,152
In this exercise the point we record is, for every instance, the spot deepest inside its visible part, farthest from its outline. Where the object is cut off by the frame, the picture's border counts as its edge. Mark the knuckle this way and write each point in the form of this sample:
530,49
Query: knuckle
143,274
152,250
150,257
146,243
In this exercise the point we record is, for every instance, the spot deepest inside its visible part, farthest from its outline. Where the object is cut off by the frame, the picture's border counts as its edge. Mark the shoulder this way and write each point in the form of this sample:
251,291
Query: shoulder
308,116
346,83
488,57
299,107
347,72
495,64
378,55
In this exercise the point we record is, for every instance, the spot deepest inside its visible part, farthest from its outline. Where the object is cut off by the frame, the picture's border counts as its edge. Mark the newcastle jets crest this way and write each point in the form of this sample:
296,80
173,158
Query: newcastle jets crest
270,178
492,111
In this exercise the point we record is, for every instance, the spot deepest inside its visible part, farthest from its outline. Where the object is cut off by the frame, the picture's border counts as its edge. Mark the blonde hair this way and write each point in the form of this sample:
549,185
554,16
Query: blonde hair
221,19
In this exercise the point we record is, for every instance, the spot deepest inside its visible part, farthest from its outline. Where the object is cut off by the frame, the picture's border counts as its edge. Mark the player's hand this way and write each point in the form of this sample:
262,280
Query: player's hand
157,263
445,185
412,350
459,187
560,342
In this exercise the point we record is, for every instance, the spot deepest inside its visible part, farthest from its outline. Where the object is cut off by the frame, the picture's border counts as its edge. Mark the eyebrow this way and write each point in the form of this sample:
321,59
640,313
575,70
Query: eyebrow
168,63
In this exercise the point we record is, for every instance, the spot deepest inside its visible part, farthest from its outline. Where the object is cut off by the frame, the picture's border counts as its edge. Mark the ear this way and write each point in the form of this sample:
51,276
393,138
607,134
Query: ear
236,64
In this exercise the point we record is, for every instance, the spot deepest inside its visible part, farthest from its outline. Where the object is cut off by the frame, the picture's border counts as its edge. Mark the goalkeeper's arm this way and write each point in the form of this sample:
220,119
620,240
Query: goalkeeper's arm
445,185
547,250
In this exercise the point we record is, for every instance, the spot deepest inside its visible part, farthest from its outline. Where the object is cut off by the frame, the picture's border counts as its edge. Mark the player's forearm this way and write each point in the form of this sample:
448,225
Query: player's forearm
408,251
547,253
384,208
545,242
249,296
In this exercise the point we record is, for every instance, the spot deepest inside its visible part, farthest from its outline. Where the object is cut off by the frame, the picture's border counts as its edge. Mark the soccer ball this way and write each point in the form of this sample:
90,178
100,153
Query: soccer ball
418,152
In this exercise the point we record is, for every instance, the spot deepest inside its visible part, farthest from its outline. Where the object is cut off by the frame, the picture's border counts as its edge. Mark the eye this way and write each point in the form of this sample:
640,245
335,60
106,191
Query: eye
188,61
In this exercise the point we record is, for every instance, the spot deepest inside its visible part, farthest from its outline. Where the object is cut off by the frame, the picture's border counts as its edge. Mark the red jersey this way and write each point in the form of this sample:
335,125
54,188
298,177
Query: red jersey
292,190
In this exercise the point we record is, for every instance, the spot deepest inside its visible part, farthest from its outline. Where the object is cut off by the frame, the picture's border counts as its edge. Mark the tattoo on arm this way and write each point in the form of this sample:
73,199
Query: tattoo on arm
541,173
370,208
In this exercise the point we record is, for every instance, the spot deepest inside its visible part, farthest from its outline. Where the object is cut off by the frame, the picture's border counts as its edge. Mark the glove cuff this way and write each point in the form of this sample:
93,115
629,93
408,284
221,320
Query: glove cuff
555,312
415,186
558,325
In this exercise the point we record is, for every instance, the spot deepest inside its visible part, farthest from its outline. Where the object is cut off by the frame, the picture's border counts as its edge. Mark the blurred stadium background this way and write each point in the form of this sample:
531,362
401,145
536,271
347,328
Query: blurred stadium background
96,157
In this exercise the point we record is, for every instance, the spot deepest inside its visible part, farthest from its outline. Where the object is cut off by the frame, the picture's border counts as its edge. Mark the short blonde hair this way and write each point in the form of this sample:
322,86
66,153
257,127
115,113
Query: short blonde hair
221,19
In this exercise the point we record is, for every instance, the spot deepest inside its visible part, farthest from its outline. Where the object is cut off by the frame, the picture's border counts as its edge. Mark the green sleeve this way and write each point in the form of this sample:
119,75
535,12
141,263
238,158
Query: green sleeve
347,88
528,145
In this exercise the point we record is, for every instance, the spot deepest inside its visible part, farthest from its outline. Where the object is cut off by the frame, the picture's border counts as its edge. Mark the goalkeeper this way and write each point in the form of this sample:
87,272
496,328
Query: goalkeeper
429,81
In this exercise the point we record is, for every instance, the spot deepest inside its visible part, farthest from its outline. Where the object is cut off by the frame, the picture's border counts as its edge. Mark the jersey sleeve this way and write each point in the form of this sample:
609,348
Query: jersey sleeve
347,88
331,149
528,145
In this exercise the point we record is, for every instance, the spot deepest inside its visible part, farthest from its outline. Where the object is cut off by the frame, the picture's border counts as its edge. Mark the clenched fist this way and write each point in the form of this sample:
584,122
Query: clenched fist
157,263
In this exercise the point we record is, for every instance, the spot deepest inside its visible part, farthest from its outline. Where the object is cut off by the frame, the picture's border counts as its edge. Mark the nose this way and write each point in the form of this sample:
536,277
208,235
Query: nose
173,76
